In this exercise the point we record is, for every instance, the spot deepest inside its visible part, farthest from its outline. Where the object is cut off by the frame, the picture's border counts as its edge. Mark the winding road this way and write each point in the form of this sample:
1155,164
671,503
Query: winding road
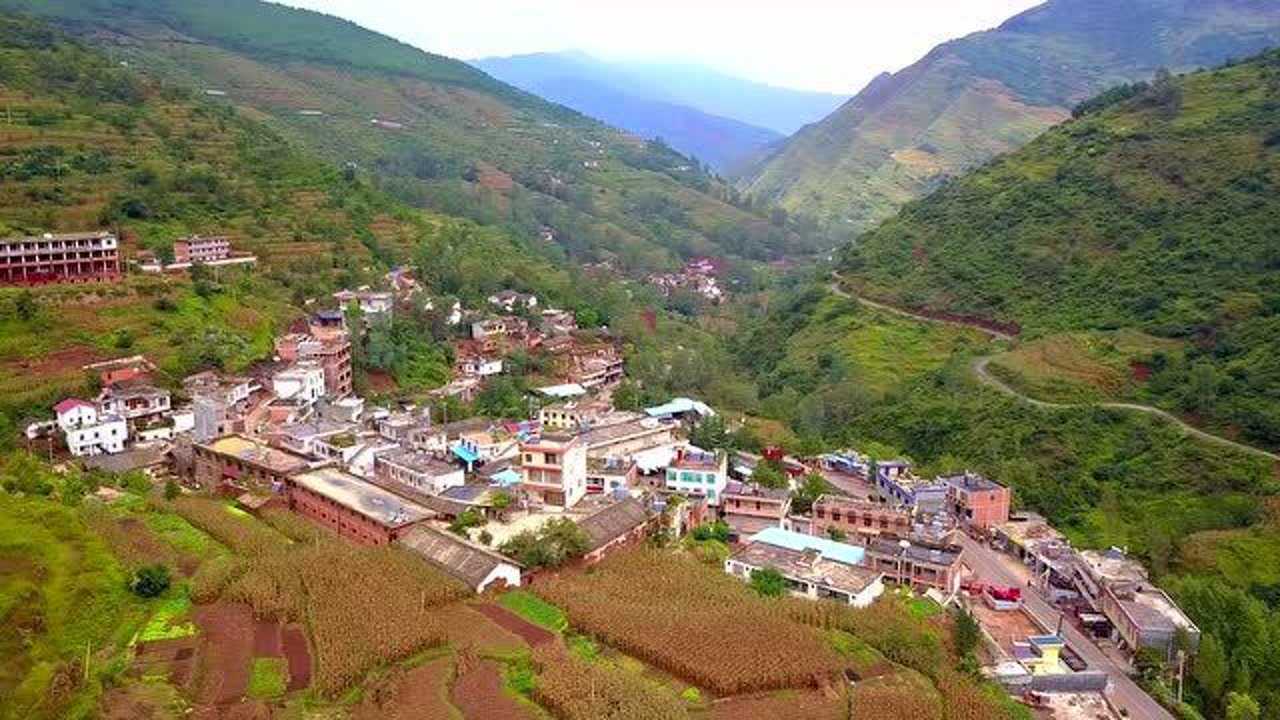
981,371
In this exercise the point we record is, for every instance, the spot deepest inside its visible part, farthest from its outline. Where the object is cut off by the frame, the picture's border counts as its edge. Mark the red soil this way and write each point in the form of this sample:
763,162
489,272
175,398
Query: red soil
531,633
226,652
478,694
58,362
266,639
298,654
1140,371
411,695
793,705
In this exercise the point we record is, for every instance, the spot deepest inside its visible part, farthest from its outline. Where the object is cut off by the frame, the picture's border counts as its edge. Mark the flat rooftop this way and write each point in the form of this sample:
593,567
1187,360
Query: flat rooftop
917,553
418,461
971,481
1113,566
349,491
1152,609
617,432
808,565
258,453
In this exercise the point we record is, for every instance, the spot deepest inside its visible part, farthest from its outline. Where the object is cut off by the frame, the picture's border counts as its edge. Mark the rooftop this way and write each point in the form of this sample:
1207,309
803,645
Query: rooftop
459,558
680,406
614,521
829,549
810,565
258,453
1152,609
373,502
697,460
606,434
566,390
970,481
945,556
90,235
1113,566
742,489
418,461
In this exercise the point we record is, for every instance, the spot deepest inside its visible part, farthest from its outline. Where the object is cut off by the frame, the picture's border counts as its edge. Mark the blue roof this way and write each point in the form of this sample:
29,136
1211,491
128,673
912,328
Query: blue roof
830,549
464,453
506,478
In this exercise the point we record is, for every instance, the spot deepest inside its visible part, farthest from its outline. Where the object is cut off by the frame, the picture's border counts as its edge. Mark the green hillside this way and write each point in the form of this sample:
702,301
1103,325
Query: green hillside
438,133
972,99
1157,214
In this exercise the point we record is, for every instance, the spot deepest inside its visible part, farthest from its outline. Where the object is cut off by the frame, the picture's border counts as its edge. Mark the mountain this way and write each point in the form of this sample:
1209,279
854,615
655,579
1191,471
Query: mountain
590,87
1155,211
972,99
434,131
781,110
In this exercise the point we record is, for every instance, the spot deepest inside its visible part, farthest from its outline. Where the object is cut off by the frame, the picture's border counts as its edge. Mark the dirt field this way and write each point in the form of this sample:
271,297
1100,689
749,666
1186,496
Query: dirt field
411,695
791,704
478,694
298,655
468,628
227,631
531,633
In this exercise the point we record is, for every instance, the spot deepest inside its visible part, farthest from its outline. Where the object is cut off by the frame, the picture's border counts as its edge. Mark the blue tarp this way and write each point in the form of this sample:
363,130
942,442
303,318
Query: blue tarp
506,478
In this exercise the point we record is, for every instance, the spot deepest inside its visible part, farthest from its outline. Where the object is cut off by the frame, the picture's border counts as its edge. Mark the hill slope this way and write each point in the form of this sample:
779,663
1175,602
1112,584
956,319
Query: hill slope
1157,213
605,92
971,99
442,134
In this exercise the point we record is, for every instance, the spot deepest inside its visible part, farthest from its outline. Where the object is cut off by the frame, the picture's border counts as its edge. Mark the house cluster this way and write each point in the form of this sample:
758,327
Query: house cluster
699,276
215,251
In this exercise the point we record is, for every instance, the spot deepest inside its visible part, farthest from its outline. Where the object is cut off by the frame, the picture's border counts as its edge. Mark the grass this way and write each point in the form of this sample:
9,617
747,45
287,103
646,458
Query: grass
182,535
1079,367
166,623
535,610
268,678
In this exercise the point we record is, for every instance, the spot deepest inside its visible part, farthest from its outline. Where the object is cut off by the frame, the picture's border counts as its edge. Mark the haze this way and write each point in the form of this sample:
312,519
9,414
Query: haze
805,44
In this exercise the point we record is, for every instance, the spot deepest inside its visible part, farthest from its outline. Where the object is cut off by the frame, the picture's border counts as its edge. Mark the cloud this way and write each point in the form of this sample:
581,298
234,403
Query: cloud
832,45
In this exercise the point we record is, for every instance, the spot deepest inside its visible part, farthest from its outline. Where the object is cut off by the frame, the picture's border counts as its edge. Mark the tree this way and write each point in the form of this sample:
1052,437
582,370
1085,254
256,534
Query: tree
627,396
24,306
811,488
710,434
551,545
768,582
767,474
1240,706
1211,668
149,581
171,490
835,533
965,632
718,530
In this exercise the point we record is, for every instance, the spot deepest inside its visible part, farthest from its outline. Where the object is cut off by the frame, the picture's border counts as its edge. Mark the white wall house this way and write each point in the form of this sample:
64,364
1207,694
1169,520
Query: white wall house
303,382
107,436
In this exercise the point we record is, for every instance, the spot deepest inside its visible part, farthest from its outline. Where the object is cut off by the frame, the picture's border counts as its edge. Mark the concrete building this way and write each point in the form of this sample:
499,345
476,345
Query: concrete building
608,474
1142,615
749,509
976,501
71,257
900,487
328,344
352,507
857,519
374,305
698,473
419,470
303,382
196,249
134,400
477,567
89,432
553,469
814,568
919,567
320,439
627,438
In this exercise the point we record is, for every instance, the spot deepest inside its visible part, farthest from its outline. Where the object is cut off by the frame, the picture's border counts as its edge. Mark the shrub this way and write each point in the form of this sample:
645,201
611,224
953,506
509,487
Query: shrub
149,581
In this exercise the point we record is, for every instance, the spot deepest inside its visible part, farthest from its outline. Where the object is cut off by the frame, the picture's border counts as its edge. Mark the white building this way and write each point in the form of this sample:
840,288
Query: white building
88,432
813,567
304,382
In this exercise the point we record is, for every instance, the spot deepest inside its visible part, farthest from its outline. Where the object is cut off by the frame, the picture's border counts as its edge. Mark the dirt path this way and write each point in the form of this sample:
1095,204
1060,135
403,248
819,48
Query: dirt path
531,633
980,370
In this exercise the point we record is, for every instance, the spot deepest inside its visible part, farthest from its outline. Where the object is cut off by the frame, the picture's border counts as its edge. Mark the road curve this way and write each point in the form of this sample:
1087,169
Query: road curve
983,374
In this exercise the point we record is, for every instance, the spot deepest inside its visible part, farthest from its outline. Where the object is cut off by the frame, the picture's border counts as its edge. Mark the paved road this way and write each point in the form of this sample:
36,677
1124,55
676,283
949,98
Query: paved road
988,565
981,364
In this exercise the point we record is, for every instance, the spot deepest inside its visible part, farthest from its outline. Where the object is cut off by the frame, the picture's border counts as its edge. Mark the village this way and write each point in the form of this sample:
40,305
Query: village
1061,626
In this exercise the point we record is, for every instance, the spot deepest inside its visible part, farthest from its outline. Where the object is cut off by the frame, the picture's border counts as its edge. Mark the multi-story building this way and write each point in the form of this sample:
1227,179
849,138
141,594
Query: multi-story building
303,382
600,367
858,519
698,473
134,401
374,305
607,474
420,470
329,345
196,249
749,509
815,568
917,566
976,501
89,432
351,507
1142,615
320,439
72,257
900,487
553,469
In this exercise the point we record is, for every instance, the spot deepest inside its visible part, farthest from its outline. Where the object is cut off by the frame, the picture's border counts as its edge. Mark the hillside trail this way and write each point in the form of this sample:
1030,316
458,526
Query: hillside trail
981,371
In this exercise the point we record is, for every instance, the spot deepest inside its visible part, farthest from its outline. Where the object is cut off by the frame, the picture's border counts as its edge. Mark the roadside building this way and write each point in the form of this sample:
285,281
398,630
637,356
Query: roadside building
351,507
977,502
244,462
65,258
815,568
477,567
749,509
858,519
1142,615
698,473
919,567
420,470
616,526
553,469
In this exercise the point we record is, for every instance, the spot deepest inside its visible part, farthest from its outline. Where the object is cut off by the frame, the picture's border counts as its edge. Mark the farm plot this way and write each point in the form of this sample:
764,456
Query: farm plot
694,622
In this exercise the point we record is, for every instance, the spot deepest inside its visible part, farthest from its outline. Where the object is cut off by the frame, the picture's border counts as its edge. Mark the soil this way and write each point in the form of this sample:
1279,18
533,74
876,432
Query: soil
226,652
790,704
55,363
266,639
467,628
178,654
531,633
409,695
298,655
478,694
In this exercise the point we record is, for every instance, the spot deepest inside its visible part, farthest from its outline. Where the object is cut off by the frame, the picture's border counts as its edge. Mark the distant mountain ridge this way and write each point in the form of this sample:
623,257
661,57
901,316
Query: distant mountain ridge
782,110
974,98
588,86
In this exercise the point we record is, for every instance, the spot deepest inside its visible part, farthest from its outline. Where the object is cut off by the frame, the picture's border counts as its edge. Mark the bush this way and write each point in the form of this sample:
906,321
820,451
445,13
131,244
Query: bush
150,581
768,582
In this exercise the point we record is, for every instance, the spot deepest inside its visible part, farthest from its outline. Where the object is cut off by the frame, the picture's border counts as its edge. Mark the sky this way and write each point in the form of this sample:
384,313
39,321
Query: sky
828,45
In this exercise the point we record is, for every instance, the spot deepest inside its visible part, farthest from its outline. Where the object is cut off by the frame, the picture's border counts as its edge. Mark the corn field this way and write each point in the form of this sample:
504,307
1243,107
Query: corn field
573,689
887,625
364,606
694,622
